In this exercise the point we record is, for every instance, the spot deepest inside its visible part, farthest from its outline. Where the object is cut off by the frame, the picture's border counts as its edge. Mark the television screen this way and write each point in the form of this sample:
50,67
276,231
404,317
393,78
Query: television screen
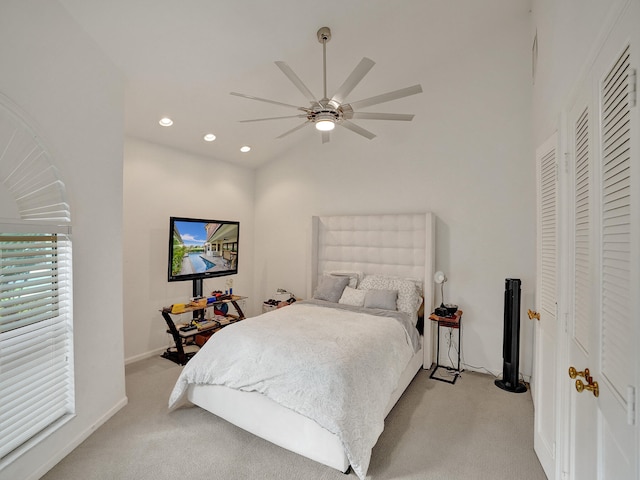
202,248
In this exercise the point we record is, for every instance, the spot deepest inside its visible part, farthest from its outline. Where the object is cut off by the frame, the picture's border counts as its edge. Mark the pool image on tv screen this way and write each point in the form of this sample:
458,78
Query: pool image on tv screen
202,248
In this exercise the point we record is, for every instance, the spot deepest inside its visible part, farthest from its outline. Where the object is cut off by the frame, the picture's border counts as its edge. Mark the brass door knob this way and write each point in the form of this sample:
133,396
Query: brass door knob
573,373
592,387
532,314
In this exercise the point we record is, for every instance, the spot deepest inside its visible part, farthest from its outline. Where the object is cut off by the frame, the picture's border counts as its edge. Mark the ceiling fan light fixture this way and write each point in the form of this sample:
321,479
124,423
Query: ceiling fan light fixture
325,122
327,112
325,125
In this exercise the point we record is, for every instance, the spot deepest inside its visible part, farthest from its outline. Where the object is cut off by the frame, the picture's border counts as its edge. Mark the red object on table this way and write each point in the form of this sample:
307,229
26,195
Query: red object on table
453,321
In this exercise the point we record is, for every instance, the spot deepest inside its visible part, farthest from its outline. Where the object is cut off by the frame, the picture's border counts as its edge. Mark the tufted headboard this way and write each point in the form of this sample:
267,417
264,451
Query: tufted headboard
401,245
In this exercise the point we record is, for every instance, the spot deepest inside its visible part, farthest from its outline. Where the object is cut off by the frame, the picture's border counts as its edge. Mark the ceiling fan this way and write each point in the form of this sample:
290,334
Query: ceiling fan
327,112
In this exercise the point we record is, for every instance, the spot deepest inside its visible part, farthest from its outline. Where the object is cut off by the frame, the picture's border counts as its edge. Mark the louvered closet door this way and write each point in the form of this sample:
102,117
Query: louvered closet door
544,375
582,441
604,331
617,333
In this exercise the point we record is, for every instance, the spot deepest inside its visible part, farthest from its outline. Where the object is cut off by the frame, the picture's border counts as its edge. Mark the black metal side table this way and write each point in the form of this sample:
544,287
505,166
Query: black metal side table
177,353
454,321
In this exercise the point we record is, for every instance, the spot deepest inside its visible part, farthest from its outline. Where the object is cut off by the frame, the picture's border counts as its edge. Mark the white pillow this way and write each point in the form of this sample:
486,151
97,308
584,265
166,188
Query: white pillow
354,277
409,294
351,296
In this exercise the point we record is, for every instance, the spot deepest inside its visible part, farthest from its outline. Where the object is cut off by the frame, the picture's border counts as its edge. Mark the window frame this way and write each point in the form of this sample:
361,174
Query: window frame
20,433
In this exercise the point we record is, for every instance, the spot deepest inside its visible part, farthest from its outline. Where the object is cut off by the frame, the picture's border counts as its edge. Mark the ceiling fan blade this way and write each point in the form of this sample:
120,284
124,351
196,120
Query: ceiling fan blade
386,97
272,118
382,116
325,137
357,129
251,97
286,69
353,79
293,129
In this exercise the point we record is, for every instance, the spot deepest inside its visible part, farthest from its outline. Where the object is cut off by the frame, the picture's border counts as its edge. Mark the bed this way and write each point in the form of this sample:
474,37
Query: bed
335,417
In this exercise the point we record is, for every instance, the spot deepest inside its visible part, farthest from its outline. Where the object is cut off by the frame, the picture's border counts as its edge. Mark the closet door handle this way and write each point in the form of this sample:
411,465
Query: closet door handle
533,314
573,373
592,387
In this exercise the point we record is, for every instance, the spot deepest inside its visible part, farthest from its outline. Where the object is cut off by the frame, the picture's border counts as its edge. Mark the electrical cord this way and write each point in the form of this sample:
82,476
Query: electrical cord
451,371
485,369
450,342
463,363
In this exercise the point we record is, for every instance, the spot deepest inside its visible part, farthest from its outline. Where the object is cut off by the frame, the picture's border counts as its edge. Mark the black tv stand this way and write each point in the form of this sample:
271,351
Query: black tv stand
197,287
177,353
197,293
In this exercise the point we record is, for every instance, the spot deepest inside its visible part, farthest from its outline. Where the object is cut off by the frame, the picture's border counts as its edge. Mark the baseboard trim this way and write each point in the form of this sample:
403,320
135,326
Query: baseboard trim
143,356
494,373
67,449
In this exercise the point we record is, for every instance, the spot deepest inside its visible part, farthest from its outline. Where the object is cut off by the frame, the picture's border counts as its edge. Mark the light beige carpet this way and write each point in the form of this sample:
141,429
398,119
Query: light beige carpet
470,430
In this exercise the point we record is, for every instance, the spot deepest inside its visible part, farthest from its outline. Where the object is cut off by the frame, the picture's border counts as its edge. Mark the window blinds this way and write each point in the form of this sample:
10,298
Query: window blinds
36,378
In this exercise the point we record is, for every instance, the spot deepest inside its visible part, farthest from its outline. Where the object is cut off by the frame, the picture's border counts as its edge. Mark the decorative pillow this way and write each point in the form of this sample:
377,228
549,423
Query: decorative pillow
409,292
354,277
385,299
354,297
330,288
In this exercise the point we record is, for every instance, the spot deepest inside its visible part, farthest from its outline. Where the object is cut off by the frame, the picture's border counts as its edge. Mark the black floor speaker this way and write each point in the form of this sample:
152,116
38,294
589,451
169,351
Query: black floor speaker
511,339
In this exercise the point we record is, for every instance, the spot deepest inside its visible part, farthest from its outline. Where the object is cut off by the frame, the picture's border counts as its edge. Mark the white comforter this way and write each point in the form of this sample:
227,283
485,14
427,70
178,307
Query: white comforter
335,366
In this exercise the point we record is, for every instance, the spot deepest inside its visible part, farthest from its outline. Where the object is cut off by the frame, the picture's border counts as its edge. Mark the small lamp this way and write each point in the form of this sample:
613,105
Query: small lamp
440,278
445,309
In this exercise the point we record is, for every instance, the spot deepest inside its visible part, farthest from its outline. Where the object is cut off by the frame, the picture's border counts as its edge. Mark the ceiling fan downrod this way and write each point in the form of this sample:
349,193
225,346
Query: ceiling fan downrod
324,35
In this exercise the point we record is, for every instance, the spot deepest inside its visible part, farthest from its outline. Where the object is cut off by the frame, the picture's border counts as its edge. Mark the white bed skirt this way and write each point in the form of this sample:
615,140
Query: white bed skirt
265,418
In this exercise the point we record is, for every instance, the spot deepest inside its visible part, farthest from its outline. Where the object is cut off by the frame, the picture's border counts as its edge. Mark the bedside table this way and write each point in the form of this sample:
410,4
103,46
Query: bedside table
455,322
272,304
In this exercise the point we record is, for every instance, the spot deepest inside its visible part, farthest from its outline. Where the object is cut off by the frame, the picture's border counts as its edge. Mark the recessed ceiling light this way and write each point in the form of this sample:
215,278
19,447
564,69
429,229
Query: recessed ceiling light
245,149
209,137
165,122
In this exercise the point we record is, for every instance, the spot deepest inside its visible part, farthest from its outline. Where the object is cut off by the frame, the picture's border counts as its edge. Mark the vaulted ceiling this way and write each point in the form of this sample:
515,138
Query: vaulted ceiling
182,59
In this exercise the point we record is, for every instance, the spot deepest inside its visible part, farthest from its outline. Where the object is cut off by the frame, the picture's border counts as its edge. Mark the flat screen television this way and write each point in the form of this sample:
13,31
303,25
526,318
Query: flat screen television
200,248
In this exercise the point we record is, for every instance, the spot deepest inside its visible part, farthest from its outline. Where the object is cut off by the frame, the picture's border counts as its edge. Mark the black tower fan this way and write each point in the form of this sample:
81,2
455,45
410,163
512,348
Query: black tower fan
511,339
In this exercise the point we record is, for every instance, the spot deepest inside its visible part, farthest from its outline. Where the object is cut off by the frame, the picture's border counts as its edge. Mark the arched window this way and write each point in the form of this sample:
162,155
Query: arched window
36,336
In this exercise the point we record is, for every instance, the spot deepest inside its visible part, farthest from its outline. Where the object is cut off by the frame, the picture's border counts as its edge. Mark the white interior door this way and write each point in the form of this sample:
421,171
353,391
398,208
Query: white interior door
545,333
581,338
616,325
604,133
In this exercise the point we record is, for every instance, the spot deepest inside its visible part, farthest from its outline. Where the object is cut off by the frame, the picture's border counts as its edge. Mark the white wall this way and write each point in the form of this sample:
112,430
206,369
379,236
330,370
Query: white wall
54,72
466,157
160,182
